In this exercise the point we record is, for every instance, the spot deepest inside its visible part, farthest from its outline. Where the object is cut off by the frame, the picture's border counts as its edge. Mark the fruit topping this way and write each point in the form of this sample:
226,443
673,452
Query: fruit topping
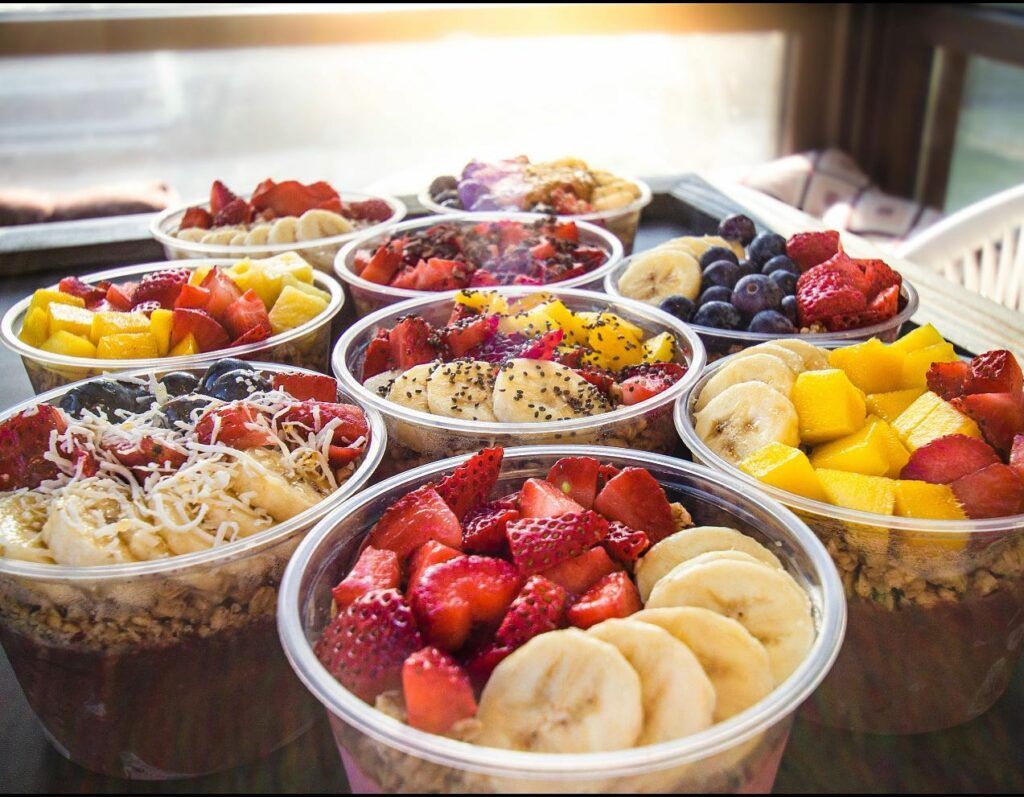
437,691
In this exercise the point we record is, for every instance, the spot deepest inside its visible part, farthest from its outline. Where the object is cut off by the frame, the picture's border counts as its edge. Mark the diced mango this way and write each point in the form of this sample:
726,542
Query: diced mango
830,406
924,500
917,363
160,323
785,468
889,406
114,323
186,346
895,451
127,346
872,366
918,339
36,328
294,308
529,301
474,300
929,418
70,345
864,452
617,342
44,297
660,349
70,318
575,328
855,491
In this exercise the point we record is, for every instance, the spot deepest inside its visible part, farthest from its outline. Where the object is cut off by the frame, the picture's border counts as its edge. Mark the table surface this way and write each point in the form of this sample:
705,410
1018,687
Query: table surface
980,756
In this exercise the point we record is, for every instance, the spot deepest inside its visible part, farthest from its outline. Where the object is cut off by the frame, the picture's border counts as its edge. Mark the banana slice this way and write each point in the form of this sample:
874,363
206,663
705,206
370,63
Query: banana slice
410,389
80,532
736,663
815,359
534,391
765,368
19,531
660,273
193,234
238,239
765,601
678,697
793,361
562,692
462,389
745,418
319,223
382,382
258,235
284,231
688,544
220,237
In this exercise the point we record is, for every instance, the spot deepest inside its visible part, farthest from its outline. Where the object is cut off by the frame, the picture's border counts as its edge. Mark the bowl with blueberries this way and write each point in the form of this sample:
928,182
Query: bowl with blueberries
742,287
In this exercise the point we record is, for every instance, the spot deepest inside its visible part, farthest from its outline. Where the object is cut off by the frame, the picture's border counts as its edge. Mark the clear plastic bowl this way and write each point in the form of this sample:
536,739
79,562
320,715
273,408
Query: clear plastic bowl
936,607
415,438
306,346
166,668
369,296
621,222
721,342
319,252
381,754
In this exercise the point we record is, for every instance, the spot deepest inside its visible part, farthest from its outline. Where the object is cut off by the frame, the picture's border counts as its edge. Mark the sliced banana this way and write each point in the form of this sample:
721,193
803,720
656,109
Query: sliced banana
793,361
320,223
19,531
381,383
81,531
221,237
462,389
238,239
735,662
764,600
745,418
258,235
765,368
193,234
678,697
284,231
815,359
410,389
532,391
655,275
562,692
688,544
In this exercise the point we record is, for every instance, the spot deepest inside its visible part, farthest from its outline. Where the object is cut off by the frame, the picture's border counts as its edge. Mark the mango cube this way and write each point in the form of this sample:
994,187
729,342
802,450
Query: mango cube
44,297
864,452
127,346
924,500
160,323
70,318
889,406
186,346
575,328
830,406
896,453
917,363
114,323
872,366
69,345
920,338
617,342
36,327
659,349
929,418
294,308
786,468
855,491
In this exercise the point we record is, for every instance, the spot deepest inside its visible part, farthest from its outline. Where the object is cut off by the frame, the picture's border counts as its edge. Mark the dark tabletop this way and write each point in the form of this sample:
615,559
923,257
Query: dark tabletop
986,755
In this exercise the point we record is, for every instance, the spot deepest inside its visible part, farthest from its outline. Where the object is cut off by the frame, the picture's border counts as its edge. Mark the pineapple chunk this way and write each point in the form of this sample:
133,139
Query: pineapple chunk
872,366
70,345
196,277
917,363
160,323
115,323
305,287
924,500
73,319
855,491
889,406
786,468
918,339
36,328
929,418
660,349
829,405
287,263
865,452
294,308
44,297
186,346
127,346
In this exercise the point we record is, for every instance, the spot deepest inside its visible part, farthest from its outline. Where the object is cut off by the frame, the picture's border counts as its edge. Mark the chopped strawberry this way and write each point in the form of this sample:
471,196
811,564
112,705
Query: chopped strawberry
567,231
995,372
437,691
347,421
467,487
481,660
510,501
428,554
303,386
192,297
322,191
120,296
579,574
510,234
414,519
484,530
808,249
411,343
244,313
576,477
384,263
339,456
261,331
377,359
625,545
464,336
146,308
90,294
1017,456
482,279
237,211
375,569
437,274
640,388
543,251
236,425
1000,416
220,197
333,204
288,198
995,491
539,498
613,596
209,335
635,498
540,543
223,292
602,380
24,440
454,596
366,645
144,455
405,278
376,210
83,460
544,347
566,203
947,379
823,294
947,459
540,607
196,217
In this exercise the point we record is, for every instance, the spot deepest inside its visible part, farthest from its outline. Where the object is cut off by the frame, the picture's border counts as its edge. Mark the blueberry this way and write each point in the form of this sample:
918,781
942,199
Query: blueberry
179,383
784,280
737,228
746,268
780,263
756,293
771,321
764,247
679,306
719,315
236,385
723,273
442,185
789,308
716,253
222,367
106,397
181,409
715,294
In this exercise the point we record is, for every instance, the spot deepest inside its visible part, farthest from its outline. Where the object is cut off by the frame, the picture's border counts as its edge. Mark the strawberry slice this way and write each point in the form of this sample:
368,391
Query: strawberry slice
220,197
339,456
462,337
1000,416
539,499
223,293
375,569
366,645
995,372
192,297
143,455
467,487
411,342
544,347
543,251
377,359
579,574
808,249
312,387
236,425
539,607
947,379
24,440
288,198
244,313
635,498
260,332
483,279
384,264
196,217
237,211
429,554
161,286
567,231
625,545
310,417
995,491
484,530
823,295
481,660
613,596
414,519
454,596
120,296
92,295
437,691
437,274
949,458
209,335
640,388
576,477
541,543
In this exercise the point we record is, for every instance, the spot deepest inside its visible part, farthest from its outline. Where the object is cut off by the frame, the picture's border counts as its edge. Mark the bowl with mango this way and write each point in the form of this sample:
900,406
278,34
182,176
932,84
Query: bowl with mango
169,314
908,462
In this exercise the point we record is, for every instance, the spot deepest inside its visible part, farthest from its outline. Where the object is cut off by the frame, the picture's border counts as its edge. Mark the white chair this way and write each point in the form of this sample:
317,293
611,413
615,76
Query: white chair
980,247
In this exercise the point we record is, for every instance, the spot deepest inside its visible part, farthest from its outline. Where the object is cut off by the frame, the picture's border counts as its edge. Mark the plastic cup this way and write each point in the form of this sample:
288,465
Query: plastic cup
319,252
381,754
369,296
167,668
306,346
621,222
722,342
415,437
936,607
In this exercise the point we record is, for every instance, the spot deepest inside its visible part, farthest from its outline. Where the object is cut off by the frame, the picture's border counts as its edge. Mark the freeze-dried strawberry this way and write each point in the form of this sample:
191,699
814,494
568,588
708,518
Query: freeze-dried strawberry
540,543
375,569
436,690
808,249
625,545
467,487
540,607
614,596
